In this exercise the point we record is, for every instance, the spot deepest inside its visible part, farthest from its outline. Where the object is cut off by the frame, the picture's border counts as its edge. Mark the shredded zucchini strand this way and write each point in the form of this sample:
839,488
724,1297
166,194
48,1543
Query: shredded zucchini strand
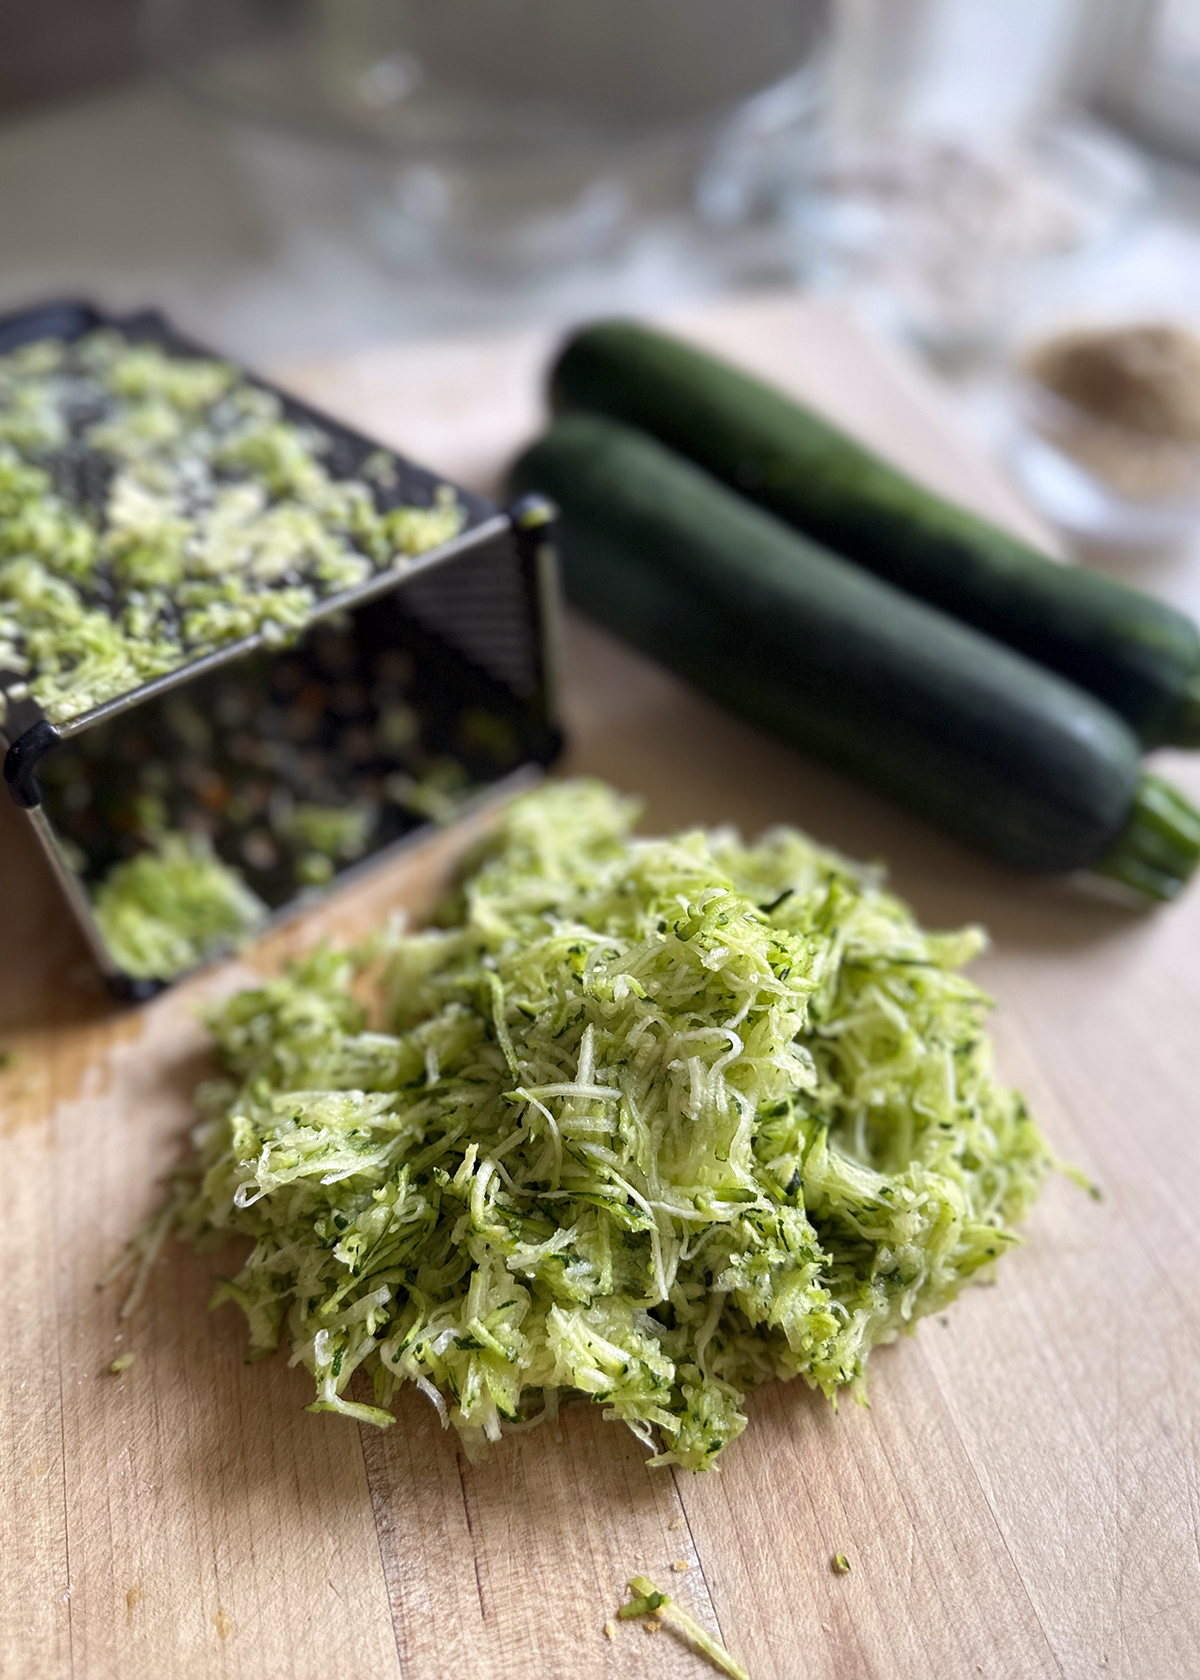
650,1600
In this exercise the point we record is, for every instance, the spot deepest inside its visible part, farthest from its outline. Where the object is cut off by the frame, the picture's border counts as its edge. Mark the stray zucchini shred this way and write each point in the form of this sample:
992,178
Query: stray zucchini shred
649,1121
649,1600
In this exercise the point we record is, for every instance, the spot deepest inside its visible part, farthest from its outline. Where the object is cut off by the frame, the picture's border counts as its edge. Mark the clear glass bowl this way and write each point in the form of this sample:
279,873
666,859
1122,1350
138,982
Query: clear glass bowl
506,133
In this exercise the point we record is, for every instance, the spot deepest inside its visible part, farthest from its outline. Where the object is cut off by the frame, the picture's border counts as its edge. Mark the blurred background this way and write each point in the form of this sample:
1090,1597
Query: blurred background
977,179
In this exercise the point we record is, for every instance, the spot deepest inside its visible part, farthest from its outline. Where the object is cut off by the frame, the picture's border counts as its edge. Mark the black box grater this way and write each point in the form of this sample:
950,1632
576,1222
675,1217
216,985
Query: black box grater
405,698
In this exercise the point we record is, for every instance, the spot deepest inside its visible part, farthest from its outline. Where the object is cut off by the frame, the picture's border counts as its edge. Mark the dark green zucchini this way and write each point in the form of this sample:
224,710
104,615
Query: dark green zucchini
995,750
1137,654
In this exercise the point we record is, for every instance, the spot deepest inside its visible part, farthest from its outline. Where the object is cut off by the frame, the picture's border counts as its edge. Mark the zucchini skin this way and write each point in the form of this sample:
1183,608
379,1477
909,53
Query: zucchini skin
1004,756
1139,655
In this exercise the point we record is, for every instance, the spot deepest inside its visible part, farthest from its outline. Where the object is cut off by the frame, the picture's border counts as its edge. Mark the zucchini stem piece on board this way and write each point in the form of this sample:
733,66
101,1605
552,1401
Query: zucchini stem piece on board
1002,754
1137,654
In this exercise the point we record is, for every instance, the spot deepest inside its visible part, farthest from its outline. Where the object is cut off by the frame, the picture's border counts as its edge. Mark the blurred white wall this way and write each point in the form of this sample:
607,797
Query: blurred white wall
976,70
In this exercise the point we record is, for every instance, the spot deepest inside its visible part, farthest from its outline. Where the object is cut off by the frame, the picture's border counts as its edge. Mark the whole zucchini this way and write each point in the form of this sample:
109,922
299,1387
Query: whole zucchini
1003,755
1137,654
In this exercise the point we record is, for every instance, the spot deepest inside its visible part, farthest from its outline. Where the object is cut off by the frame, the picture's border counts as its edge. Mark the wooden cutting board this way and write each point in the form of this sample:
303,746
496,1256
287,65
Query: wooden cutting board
1022,1498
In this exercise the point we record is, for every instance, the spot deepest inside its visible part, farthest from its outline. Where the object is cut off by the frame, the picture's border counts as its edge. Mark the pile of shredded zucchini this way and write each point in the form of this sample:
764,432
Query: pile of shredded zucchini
156,507
172,906
649,1121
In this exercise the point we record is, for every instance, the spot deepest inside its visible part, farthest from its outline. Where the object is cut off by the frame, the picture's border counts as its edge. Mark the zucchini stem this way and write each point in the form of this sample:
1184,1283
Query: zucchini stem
1159,847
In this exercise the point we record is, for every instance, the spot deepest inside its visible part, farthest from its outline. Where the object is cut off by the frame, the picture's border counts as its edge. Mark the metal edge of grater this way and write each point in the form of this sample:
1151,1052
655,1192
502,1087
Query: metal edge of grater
481,612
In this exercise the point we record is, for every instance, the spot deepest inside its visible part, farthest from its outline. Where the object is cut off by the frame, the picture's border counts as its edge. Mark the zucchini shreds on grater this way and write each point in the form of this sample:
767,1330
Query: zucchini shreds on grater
156,507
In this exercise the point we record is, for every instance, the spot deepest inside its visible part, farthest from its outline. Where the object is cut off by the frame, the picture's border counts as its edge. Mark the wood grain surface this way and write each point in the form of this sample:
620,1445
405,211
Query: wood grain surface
1021,1499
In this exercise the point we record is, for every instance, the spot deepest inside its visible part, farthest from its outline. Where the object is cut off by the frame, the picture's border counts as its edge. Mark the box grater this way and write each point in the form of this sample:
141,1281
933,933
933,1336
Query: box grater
404,699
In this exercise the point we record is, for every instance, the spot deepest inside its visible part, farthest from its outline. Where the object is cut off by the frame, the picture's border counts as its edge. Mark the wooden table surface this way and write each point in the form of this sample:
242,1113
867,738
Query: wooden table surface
1022,1498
